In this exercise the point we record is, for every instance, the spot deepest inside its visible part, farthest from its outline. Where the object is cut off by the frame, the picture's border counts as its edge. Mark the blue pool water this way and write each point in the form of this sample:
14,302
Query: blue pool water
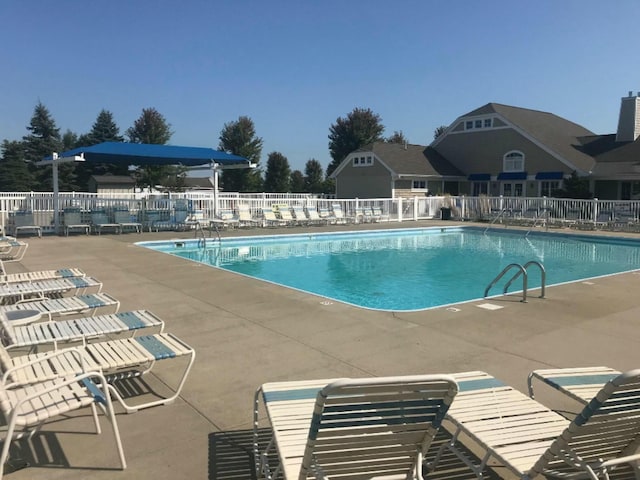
410,269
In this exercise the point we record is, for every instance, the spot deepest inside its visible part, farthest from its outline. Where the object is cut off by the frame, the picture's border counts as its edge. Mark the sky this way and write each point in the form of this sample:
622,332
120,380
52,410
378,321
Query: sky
295,66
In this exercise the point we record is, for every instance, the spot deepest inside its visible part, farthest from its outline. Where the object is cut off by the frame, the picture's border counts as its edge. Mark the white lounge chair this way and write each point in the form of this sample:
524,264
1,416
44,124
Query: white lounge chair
23,221
532,440
117,359
225,219
581,384
270,219
299,215
73,221
76,330
55,307
244,217
100,220
339,214
27,407
284,212
12,250
352,428
314,216
15,292
123,217
38,275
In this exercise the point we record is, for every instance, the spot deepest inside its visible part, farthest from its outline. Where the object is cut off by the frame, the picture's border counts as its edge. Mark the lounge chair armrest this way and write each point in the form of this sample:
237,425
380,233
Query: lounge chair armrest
70,380
81,355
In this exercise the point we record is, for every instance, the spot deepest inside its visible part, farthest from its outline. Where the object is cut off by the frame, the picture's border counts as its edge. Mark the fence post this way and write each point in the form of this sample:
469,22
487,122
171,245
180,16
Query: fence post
594,213
400,209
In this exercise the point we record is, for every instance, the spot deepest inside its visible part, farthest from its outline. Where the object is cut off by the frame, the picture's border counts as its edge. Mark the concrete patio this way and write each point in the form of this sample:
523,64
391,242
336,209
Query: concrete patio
247,332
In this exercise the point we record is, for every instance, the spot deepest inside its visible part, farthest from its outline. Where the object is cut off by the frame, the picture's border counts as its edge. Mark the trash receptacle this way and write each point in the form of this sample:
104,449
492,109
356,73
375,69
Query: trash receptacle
445,213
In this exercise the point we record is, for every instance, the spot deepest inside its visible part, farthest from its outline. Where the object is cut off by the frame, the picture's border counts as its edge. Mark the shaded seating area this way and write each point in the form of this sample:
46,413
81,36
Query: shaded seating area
73,221
23,222
100,221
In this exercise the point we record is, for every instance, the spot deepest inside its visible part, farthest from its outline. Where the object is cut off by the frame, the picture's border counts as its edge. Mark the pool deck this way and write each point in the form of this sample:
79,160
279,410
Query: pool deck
247,332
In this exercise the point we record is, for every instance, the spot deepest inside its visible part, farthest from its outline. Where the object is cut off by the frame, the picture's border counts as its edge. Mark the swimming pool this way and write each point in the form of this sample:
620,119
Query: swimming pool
410,269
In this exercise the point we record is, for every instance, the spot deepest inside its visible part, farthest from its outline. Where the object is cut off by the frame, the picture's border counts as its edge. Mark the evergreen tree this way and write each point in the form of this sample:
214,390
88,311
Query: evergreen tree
14,171
104,129
313,176
152,128
360,127
278,173
42,141
297,183
239,138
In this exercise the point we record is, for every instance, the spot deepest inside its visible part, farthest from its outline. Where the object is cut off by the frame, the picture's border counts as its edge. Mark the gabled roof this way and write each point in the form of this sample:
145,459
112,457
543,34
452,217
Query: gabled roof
412,159
557,134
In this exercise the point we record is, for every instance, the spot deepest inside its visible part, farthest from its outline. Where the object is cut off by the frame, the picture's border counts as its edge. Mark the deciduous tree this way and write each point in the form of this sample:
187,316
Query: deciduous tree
439,131
360,127
397,137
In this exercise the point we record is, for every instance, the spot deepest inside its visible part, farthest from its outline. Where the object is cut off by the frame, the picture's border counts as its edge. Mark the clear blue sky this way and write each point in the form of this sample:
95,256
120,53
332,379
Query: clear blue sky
294,67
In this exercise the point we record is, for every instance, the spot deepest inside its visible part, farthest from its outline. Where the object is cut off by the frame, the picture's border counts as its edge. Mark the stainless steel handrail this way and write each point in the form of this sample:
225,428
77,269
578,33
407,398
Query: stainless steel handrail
543,276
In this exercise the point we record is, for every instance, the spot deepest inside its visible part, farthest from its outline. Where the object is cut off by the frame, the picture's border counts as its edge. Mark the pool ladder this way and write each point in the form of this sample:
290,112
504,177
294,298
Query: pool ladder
521,270
202,238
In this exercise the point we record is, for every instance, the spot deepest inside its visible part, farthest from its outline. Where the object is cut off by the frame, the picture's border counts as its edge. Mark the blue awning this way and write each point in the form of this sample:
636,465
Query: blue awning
512,176
151,154
479,177
549,176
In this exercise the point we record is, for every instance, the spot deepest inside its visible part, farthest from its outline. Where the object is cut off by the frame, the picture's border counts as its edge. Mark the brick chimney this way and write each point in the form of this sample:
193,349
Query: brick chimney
629,120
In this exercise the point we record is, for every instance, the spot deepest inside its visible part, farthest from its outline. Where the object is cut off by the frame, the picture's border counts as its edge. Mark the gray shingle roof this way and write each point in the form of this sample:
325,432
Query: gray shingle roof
556,133
414,160
114,179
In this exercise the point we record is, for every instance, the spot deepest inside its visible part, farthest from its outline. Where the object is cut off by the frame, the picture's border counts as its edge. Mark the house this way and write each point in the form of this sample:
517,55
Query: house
501,150
111,184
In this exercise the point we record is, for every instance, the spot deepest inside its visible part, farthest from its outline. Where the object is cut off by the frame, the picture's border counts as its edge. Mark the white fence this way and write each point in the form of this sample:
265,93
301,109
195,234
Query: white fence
500,209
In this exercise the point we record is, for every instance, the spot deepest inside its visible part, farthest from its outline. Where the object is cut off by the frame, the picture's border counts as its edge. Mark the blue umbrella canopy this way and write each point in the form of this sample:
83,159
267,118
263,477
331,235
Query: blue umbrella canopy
149,154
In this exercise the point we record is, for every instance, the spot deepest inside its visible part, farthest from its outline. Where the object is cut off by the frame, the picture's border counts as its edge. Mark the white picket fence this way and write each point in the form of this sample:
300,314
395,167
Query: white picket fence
490,209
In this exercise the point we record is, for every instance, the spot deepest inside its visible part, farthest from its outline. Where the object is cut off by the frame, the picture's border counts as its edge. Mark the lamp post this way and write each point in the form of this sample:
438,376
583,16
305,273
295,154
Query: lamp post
55,160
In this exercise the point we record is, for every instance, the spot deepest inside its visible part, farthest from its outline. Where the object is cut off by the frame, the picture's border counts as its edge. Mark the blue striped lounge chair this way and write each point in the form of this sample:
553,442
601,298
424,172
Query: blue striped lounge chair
38,275
11,293
76,330
12,249
26,407
581,384
56,307
385,424
118,359
531,440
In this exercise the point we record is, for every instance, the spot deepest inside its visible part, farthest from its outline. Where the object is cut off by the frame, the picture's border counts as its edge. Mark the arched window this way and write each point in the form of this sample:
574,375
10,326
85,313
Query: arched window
513,161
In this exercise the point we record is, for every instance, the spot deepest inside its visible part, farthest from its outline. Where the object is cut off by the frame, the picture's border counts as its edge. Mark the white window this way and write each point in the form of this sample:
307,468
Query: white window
513,162
419,185
362,161
478,124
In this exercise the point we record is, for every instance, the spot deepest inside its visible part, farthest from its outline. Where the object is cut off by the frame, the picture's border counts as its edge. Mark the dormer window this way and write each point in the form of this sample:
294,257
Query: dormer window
478,124
513,161
362,161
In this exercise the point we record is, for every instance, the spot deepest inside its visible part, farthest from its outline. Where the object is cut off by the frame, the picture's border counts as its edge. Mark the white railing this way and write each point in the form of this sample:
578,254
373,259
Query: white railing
501,209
